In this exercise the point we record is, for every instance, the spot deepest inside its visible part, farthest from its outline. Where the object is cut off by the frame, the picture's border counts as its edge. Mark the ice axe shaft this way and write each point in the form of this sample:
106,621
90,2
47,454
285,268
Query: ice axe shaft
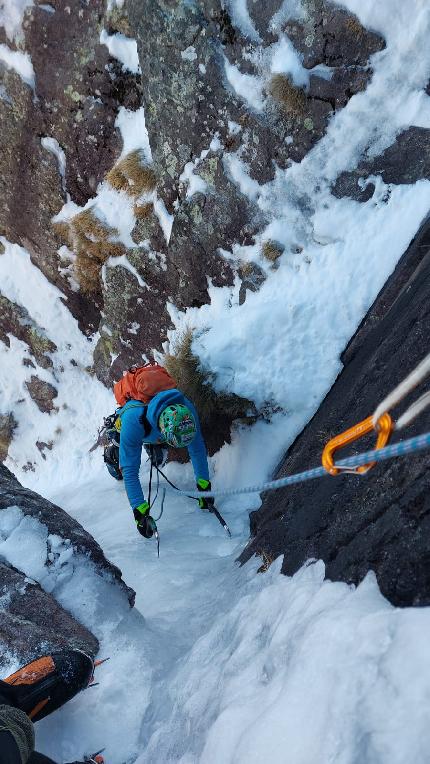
221,520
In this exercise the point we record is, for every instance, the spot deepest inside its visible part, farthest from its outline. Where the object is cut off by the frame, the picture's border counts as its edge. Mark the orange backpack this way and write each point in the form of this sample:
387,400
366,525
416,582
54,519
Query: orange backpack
141,383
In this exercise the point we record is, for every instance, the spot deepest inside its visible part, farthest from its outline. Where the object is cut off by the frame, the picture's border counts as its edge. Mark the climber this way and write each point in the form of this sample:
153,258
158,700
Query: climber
153,413
33,692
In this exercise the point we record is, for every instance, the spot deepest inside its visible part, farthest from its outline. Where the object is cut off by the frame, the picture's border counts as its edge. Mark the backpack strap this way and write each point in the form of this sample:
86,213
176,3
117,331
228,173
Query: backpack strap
144,421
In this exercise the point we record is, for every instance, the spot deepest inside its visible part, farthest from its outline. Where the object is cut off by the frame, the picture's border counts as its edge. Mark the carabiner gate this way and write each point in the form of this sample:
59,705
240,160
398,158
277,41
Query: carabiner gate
384,428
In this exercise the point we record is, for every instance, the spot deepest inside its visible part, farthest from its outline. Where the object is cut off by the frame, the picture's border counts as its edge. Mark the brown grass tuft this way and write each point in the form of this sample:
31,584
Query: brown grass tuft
87,273
118,22
117,179
90,240
86,225
247,268
272,250
62,231
197,384
291,99
132,175
103,250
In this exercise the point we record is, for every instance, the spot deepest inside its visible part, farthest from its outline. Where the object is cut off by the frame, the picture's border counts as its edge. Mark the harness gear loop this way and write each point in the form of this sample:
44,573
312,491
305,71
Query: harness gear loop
383,427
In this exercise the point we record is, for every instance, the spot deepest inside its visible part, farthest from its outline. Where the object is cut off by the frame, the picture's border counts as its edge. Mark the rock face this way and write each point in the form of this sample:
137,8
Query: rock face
43,393
377,522
32,623
406,161
58,523
60,139
15,320
188,100
78,92
51,547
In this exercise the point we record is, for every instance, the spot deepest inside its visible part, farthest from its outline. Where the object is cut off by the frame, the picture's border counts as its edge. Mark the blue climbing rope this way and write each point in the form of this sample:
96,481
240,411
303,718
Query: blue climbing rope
402,448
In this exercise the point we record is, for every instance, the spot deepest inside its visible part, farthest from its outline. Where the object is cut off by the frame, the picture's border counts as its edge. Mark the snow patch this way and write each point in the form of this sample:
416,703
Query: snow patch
189,54
238,171
289,10
19,62
52,145
195,183
164,218
123,262
123,48
287,60
242,20
134,134
11,15
246,86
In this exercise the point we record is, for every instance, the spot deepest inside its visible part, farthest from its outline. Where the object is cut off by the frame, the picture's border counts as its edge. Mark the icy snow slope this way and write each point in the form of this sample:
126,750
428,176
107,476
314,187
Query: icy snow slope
231,667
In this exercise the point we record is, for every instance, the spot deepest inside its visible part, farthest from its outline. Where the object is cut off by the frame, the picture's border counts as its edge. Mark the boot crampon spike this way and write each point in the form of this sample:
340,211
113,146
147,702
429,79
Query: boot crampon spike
44,685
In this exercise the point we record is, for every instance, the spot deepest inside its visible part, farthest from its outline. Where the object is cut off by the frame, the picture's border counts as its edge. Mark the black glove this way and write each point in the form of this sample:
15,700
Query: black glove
145,524
205,503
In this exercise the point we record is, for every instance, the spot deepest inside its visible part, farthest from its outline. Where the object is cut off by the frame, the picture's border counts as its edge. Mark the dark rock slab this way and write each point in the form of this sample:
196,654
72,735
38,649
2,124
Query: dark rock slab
262,14
58,522
406,161
33,623
379,522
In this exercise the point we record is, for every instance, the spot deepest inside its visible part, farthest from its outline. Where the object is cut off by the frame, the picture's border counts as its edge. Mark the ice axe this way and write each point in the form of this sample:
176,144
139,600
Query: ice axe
212,509
220,518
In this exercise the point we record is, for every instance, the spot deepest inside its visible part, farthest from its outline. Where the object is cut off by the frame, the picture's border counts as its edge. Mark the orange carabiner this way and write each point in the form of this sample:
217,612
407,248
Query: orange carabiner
384,428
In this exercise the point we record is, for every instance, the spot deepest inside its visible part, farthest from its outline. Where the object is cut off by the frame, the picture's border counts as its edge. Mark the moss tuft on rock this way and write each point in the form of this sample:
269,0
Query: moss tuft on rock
118,22
272,250
290,98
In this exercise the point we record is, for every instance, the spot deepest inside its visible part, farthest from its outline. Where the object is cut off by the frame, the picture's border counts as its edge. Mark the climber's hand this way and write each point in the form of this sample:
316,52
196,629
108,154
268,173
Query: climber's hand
204,502
145,524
